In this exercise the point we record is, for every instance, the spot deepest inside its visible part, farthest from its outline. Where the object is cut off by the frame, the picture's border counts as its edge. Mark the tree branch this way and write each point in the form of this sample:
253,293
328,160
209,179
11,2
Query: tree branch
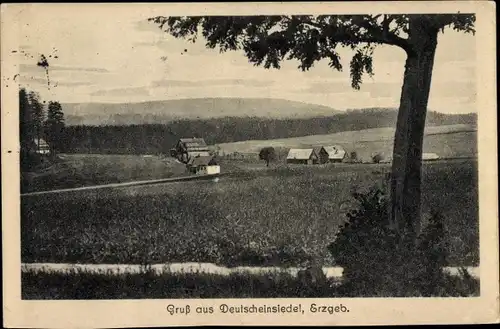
383,34
375,34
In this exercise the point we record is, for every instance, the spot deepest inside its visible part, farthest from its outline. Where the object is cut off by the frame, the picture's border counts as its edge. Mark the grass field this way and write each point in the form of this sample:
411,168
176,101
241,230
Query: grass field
446,141
148,284
281,216
76,170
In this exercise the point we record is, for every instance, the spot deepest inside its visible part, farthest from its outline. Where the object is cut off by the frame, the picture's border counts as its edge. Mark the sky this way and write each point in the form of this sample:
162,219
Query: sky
123,58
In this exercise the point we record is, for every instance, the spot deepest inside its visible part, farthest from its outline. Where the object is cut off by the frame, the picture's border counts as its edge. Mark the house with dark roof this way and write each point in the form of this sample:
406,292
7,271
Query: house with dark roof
187,148
321,153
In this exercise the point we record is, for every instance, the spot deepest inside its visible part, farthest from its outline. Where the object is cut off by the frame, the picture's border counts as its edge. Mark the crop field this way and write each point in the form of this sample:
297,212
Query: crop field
76,170
282,216
446,141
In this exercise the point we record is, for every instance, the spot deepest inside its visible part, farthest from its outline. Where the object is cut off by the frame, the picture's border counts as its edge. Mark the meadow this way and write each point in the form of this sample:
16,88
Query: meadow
284,216
76,170
447,141
77,285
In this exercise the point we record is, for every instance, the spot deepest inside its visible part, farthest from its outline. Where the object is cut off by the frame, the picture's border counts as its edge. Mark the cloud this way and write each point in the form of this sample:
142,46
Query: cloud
34,68
53,82
213,82
132,91
454,89
381,89
144,25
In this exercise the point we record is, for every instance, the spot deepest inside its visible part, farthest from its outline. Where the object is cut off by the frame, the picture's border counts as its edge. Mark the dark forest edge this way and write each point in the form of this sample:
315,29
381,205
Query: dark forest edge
159,138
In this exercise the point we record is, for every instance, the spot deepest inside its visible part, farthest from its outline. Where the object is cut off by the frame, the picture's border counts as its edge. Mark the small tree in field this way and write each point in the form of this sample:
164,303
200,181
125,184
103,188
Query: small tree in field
353,156
269,40
267,154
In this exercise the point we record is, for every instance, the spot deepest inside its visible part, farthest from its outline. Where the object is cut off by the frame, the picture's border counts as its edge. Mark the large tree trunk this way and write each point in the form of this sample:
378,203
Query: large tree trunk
408,141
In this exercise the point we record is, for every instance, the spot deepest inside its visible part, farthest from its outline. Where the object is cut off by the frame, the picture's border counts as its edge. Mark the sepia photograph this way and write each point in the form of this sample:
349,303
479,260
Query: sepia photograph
163,154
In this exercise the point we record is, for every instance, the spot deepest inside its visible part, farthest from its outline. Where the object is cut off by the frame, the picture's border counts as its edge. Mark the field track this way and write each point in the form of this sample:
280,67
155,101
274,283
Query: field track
127,184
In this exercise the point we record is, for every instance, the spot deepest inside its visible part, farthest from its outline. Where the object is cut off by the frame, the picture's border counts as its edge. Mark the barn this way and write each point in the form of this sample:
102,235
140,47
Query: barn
425,157
430,156
203,165
336,153
302,156
187,148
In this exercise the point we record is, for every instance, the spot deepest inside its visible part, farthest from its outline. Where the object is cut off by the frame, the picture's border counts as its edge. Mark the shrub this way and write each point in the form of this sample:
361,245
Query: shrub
376,158
377,261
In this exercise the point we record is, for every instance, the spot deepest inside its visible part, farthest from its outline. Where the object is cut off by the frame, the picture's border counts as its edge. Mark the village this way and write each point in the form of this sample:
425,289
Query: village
202,159
199,158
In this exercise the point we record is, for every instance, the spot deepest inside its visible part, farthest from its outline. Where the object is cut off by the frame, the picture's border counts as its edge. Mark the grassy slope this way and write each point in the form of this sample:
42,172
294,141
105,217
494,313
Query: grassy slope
75,170
282,216
446,141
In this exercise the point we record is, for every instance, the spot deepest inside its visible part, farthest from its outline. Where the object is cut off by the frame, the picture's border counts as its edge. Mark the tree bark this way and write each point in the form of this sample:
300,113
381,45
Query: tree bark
408,141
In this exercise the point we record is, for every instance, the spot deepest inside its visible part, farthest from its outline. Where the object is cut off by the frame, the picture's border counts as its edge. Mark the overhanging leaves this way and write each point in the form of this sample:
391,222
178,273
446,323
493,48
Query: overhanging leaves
268,40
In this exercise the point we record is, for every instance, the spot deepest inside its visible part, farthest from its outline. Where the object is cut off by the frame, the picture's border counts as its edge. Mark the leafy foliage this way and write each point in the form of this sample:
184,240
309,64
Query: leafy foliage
377,260
268,40
267,154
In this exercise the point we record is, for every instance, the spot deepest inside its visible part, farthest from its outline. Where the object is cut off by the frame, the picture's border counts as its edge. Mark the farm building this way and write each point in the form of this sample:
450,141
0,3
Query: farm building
305,156
321,153
430,156
336,153
425,157
187,148
41,146
203,165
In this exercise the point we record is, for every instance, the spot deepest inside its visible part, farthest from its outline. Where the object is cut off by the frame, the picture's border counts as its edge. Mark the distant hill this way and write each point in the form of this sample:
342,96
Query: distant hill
162,112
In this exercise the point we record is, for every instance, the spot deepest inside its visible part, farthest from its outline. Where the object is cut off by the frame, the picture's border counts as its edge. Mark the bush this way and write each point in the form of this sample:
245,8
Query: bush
376,158
377,261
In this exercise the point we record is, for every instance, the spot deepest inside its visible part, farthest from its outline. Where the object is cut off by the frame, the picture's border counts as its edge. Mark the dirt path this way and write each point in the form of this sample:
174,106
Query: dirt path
331,272
115,185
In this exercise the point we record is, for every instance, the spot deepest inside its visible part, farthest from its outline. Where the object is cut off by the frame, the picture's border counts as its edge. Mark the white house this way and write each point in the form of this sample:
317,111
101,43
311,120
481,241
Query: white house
430,156
203,165
305,156
41,146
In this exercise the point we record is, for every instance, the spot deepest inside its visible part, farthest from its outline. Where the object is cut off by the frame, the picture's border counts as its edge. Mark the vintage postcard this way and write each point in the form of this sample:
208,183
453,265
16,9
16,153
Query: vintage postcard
249,163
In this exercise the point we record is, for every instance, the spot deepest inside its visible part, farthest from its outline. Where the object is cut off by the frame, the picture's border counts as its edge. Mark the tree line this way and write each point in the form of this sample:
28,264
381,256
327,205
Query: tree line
39,120
159,138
